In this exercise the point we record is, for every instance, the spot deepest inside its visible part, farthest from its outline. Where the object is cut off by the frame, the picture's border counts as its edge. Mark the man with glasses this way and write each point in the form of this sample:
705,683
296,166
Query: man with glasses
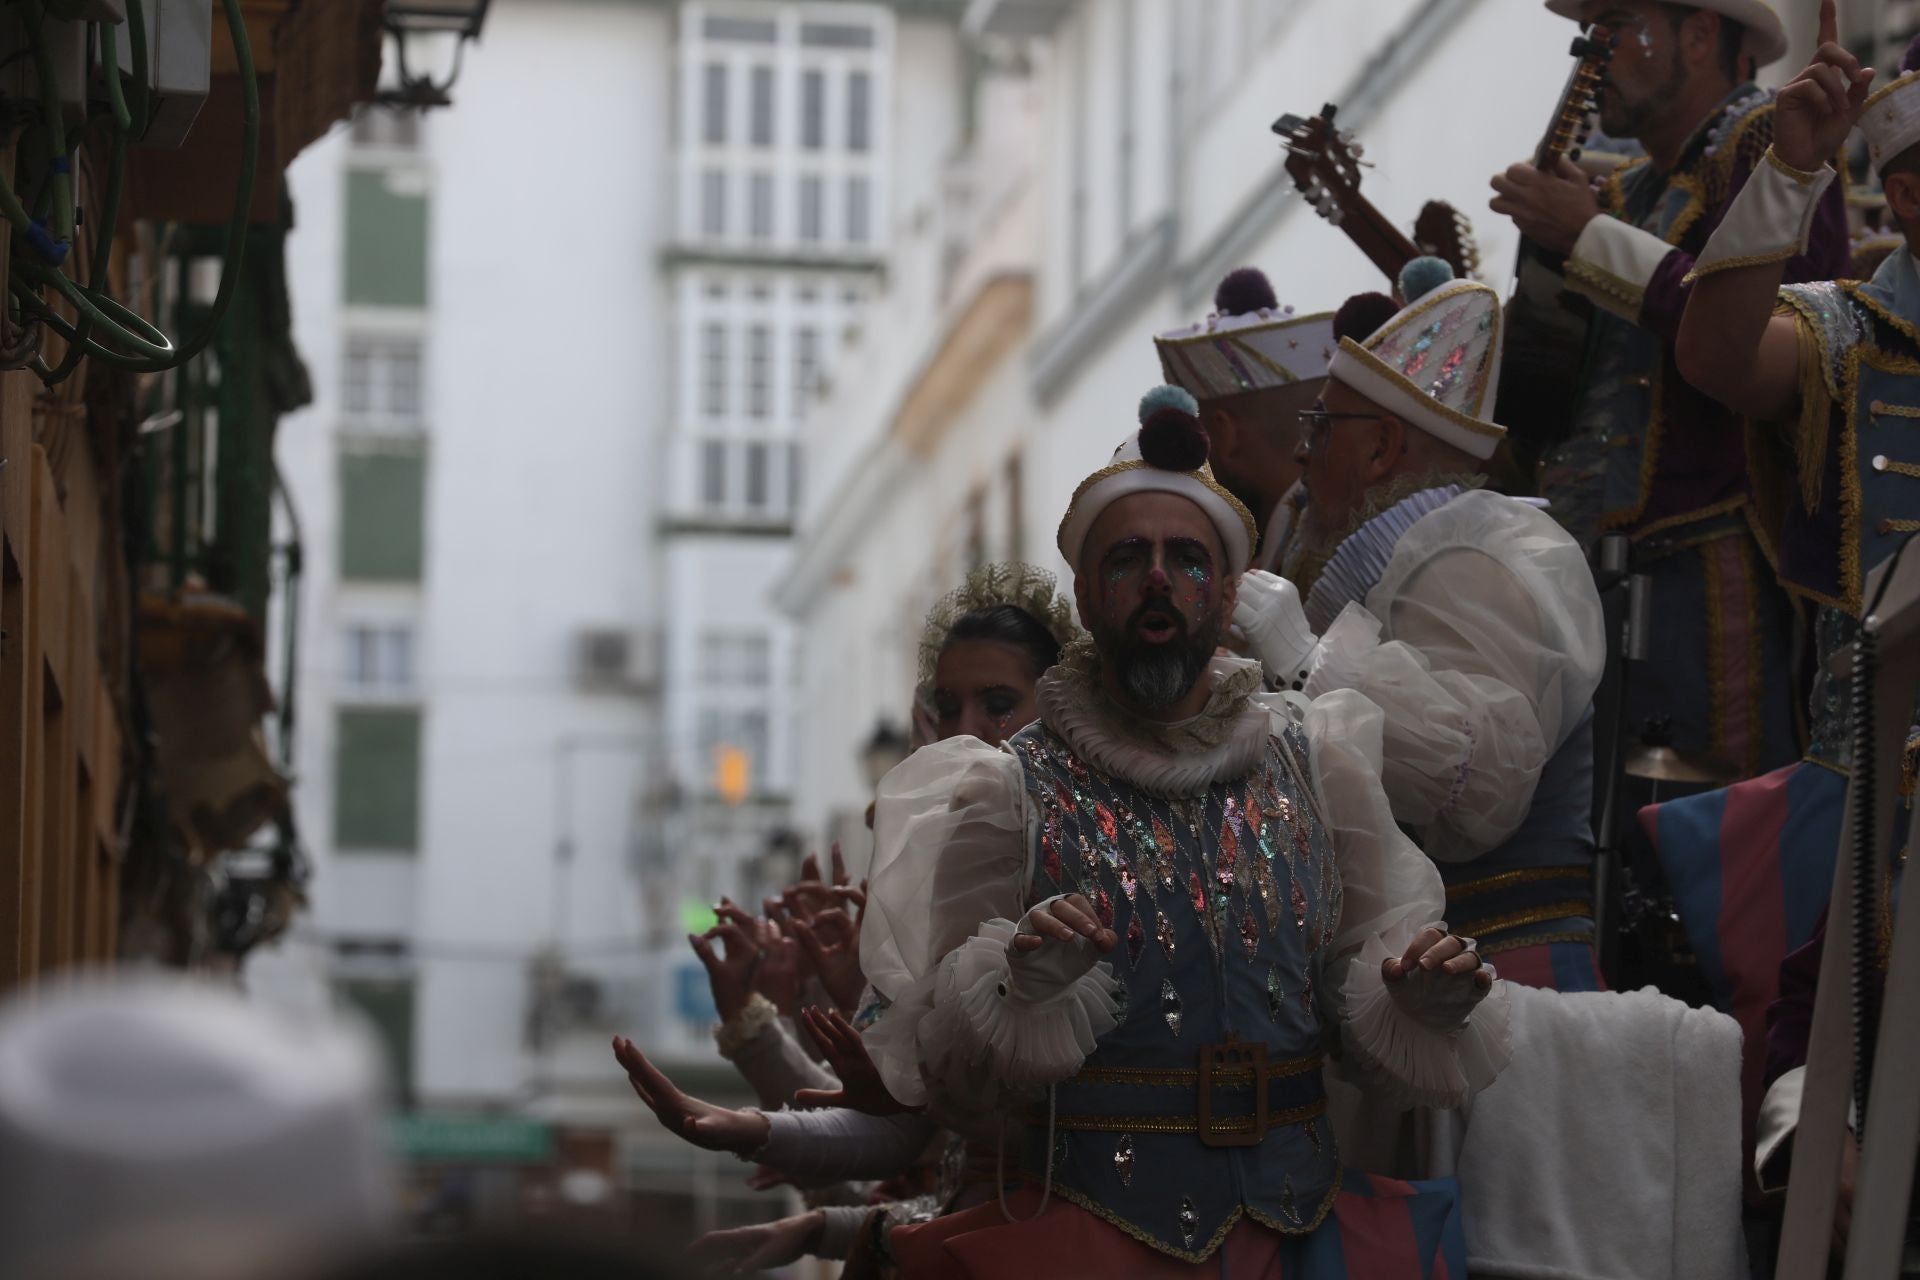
1646,454
1252,365
1470,617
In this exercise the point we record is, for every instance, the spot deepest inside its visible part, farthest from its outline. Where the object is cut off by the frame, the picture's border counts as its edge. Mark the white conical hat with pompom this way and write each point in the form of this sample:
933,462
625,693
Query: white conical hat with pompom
1249,343
1436,363
1167,454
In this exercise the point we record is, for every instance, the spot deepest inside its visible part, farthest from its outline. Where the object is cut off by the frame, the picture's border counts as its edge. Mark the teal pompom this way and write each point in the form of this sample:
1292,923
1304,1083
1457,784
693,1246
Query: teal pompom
1168,396
1422,276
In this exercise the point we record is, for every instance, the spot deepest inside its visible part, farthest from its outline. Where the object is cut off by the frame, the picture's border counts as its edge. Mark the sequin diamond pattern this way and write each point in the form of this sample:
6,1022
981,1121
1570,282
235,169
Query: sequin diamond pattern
1445,345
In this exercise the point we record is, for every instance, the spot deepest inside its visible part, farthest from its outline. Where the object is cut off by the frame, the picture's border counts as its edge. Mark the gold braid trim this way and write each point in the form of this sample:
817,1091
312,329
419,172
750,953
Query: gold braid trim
1219,1237
1518,919
1012,584
1526,875
1187,1124
1604,282
1537,940
1732,264
1181,1077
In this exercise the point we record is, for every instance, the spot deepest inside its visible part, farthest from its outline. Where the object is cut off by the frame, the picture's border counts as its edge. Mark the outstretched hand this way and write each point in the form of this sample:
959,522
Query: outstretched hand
832,945
701,1123
860,1085
1814,114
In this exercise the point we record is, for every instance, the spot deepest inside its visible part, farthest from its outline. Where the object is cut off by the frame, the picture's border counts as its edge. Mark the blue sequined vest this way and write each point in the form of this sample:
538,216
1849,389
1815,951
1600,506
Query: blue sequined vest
1225,902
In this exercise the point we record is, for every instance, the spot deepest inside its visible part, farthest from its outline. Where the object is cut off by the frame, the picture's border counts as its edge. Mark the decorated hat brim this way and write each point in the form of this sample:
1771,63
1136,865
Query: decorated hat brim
1766,34
1108,485
1358,368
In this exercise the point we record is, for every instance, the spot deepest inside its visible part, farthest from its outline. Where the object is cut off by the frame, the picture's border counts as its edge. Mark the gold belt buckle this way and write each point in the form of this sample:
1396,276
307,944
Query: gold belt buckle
1233,1056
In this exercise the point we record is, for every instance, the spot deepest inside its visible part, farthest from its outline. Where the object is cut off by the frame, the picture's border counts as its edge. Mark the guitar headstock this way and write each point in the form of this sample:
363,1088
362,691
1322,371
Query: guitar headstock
1323,162
1592,51
1446,233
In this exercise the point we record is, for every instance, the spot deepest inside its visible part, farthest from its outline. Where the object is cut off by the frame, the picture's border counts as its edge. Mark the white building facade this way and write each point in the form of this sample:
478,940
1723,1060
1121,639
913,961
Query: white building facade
562,338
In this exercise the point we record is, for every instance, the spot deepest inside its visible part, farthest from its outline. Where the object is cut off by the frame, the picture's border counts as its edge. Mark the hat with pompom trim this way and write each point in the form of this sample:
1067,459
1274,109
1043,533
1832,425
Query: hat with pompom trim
1249,343
1168,454
1436,363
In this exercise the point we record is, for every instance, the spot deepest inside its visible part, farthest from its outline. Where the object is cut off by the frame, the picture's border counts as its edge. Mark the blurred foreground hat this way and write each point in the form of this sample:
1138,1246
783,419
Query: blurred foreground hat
1249,343
1168,454
1766,35
155,1114
1891,120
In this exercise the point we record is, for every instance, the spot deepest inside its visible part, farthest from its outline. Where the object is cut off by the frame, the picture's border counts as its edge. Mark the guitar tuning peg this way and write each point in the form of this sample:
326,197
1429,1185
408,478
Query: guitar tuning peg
1573,154
1357,150
1346,137
1337,216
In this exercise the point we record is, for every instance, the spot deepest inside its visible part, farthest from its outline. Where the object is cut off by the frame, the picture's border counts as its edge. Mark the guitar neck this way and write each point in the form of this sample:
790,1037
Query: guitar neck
1385,245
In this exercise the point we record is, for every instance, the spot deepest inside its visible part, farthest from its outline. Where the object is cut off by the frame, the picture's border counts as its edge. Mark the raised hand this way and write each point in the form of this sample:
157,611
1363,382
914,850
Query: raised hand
730,969
811,895
744,1250
860,1084
1814,114
701,1123
832,945
1069,918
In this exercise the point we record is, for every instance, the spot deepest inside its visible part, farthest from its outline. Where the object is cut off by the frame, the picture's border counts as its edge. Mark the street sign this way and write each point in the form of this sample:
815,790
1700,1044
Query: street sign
693,995
452,1138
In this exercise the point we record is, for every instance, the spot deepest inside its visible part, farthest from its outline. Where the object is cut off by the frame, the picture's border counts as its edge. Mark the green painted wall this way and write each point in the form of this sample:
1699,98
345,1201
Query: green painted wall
382,527
376,779
386,243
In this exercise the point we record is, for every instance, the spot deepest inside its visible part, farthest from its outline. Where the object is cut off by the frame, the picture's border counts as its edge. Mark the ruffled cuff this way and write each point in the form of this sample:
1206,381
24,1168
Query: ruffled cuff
1420,1052
976,1027
744,1027
840,1227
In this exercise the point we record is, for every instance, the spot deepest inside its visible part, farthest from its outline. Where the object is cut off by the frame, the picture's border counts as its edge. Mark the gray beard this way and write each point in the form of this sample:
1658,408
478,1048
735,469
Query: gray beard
1314,545
1155,681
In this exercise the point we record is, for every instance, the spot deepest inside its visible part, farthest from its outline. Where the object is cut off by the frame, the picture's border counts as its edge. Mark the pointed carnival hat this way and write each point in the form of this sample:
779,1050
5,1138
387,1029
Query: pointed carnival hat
1249,343
1168,454
1766,34
1891,119
1436,362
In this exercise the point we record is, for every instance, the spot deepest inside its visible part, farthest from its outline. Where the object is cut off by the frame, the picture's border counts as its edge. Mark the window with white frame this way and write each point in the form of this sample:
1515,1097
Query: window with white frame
755,354
735,672
784,111
377,660
382,381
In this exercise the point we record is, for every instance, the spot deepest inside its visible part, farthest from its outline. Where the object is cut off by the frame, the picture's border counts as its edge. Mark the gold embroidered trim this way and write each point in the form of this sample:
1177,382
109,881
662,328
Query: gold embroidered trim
1881,409
1802,176
1187,1124
1884,464
1828,765
1414,311
1376,365
1519,919
1311,1224
1897,526
1526,875
1181,1077
1204,477
1607,284
1816,403
1537,940
1674,521
1750,260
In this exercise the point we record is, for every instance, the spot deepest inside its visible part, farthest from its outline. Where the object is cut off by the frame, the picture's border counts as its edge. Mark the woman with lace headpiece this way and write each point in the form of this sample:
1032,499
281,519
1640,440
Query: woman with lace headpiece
982,652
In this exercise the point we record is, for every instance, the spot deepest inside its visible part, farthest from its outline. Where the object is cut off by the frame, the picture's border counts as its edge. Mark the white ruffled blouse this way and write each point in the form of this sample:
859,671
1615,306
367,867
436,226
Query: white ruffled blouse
1483,643
955,840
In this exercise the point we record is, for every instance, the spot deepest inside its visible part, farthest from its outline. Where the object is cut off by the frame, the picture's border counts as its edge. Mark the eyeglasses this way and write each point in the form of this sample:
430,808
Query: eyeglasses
1318,425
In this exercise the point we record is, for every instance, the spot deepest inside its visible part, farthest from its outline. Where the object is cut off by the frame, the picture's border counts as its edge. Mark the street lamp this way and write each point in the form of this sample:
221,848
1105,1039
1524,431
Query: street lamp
885,749
416,25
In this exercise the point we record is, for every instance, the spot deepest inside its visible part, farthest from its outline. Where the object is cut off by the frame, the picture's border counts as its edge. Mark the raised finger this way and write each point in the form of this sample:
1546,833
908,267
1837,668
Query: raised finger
1829,23
730,911
848,1034
839,865
704,949
1422,941
810,868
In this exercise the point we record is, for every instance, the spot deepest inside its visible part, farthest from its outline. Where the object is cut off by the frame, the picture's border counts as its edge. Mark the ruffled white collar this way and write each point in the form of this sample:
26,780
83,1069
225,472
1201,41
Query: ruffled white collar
1225,741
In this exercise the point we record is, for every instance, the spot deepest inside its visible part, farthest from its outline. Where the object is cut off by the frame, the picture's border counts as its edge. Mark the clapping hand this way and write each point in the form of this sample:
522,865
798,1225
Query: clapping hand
860,1085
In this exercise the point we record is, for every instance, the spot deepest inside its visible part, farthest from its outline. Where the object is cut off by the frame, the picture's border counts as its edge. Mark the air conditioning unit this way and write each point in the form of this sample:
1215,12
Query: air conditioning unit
617,660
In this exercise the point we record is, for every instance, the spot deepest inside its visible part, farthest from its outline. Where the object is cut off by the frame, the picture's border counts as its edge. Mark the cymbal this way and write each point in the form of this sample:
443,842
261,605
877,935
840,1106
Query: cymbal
1664,764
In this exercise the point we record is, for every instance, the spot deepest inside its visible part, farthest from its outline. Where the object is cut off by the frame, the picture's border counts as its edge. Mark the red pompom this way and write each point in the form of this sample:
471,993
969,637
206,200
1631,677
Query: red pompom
1173,441
1244,290
1362,314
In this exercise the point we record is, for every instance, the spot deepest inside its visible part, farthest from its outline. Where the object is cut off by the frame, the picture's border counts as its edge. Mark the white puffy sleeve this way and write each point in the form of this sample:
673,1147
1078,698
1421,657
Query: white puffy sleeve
1421,1040
1497,647
953,837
